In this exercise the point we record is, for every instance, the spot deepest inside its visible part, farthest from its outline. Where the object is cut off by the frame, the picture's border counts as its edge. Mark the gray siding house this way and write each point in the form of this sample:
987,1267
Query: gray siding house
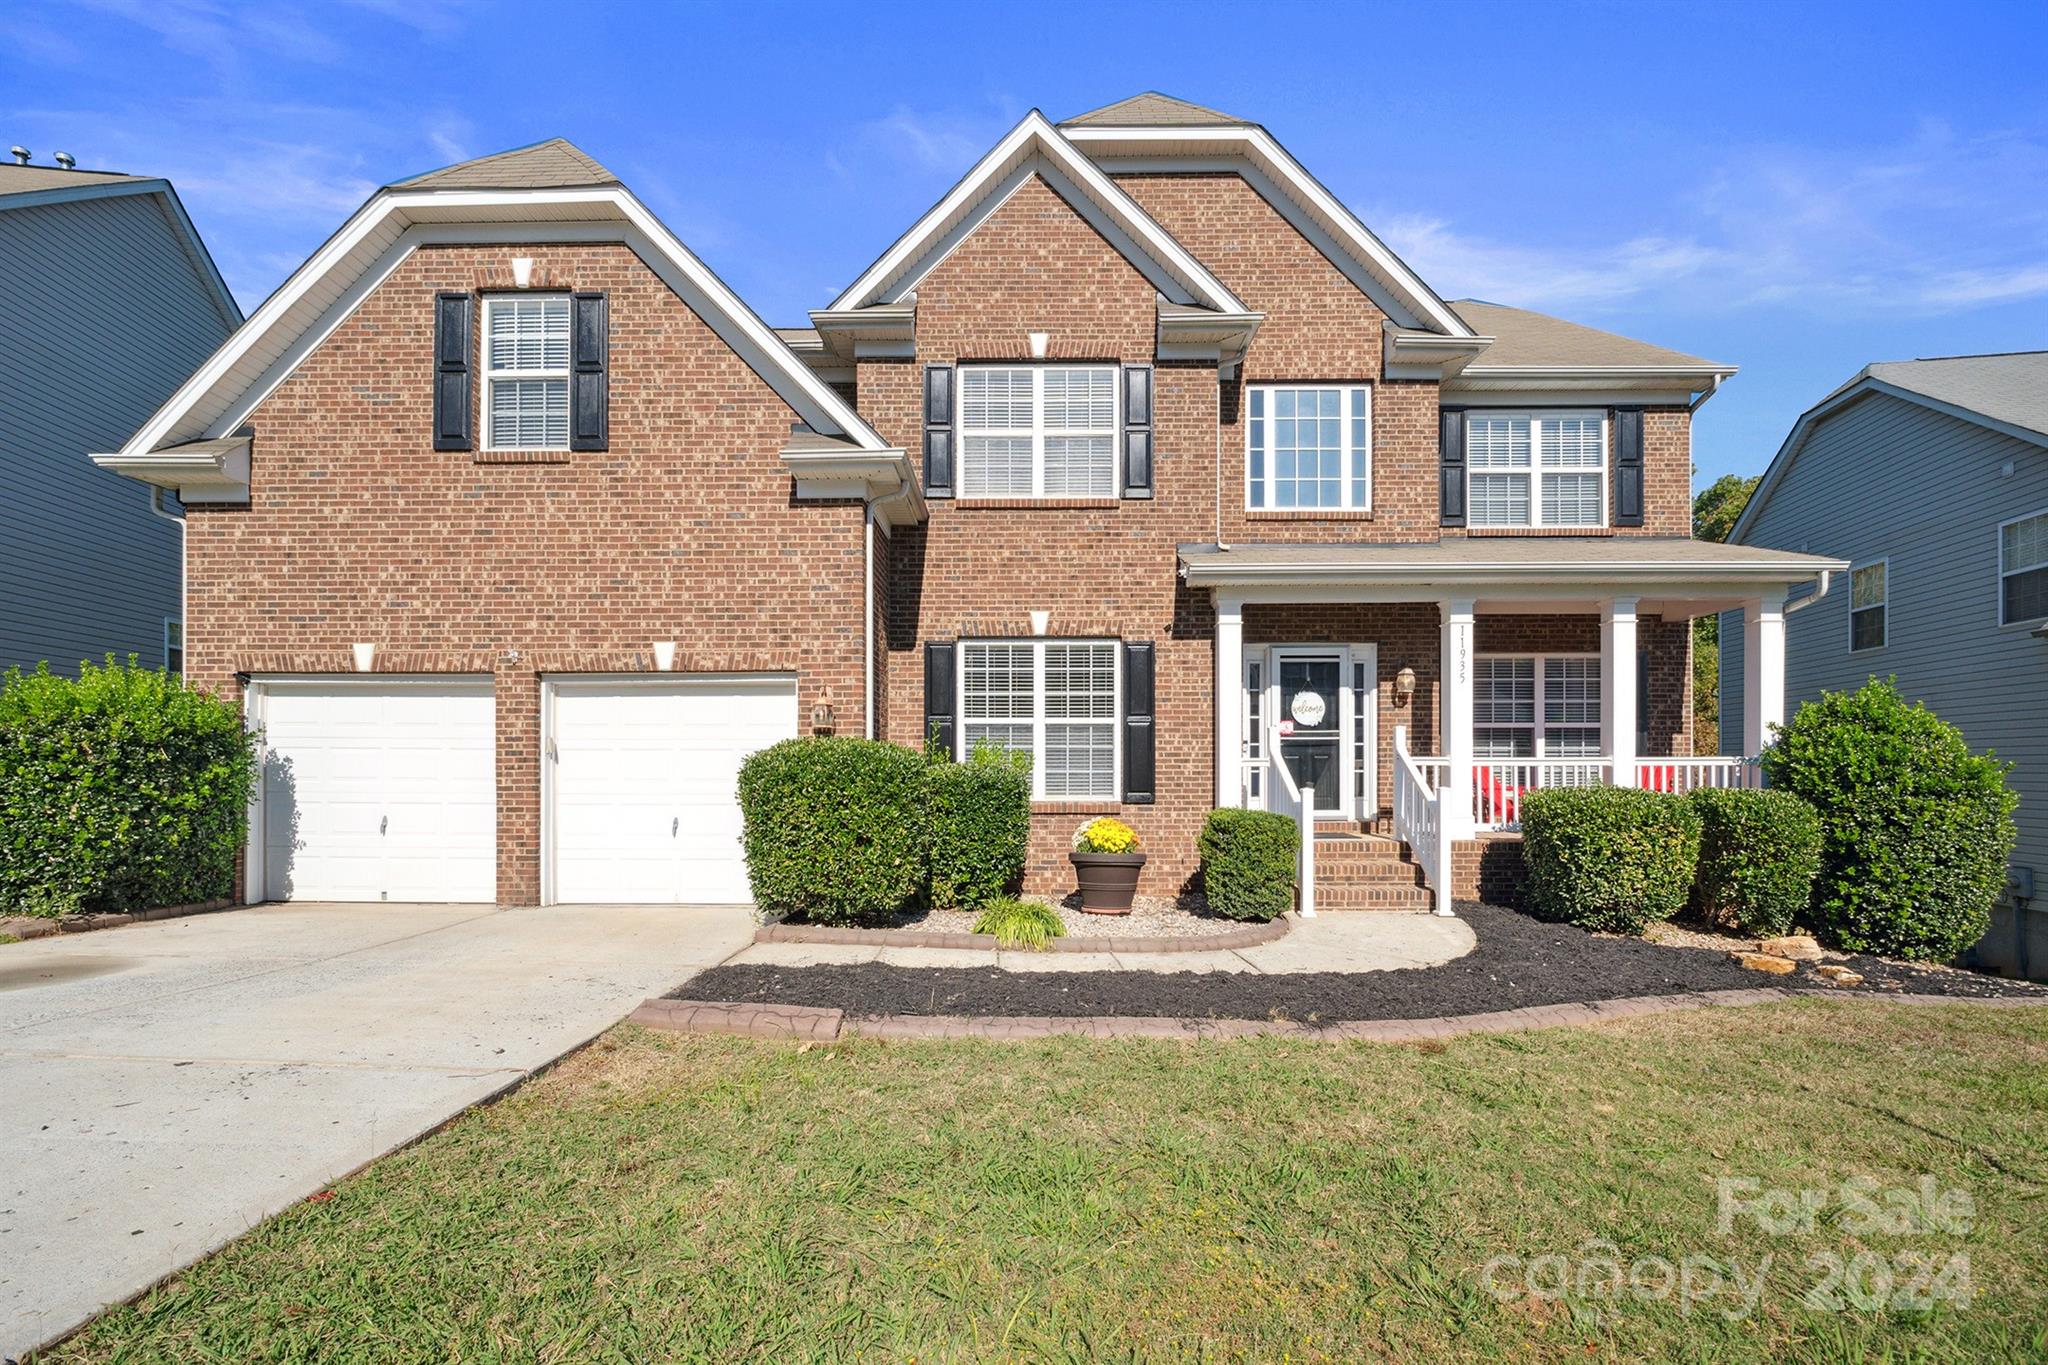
111,301
1931,478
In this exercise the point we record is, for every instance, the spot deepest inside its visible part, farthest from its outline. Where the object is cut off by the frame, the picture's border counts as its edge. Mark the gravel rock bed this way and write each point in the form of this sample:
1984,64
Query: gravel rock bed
1150,917
1519,962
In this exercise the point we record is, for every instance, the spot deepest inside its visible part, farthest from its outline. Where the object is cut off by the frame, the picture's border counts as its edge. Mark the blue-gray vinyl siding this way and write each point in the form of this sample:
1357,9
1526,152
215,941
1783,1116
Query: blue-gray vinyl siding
106,310
1889,479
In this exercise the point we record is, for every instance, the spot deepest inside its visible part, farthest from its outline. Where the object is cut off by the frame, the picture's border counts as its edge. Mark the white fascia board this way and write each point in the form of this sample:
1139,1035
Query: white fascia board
883,477
1266,153
1702,579
321,293
204,471
1035,136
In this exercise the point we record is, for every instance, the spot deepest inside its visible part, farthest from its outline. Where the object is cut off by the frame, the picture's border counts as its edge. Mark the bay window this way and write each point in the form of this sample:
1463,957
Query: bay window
1308,447
1055,700
1536,469
1038,431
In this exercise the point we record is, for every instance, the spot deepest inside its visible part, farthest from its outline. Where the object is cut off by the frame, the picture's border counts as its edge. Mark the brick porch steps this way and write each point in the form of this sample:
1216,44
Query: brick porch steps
1360,871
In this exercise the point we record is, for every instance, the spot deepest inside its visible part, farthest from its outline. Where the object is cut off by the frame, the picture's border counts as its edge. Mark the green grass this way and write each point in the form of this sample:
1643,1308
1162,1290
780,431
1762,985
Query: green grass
661,1197
1020,924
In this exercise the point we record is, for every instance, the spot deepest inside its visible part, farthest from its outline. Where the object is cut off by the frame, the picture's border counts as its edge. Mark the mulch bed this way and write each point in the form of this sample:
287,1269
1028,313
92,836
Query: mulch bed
1519,963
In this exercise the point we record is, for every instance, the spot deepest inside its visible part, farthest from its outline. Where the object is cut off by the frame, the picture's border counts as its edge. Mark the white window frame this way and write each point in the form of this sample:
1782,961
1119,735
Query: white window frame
492,378
1540,664
1883,604
1536,468
2005,573
1345,421
1038,431
173,624
963,748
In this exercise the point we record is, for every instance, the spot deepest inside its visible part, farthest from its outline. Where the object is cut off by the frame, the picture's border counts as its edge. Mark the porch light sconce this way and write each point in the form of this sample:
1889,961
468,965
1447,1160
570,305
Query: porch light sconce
1039,621
1038,344
522,271
366,657
822,721
1404,687
665,655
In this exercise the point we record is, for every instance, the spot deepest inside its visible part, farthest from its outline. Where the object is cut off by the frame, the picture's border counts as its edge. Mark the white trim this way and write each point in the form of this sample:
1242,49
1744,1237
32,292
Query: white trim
1038,720
1345,420
1538,419
1884,604
1347,781
2003,574
1539,661
492,300
174,623
1038,432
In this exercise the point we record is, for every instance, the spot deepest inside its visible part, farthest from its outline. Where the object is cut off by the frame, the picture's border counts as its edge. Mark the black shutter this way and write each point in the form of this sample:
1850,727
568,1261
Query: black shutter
1139,735
589,383
1450,454
452,405
1137,431
940,694
1627,426
938,437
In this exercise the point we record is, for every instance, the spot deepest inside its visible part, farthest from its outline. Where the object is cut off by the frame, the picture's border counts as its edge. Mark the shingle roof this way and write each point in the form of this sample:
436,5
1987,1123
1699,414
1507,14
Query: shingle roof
2010,388
19,179
551,165
1521,337
1152,109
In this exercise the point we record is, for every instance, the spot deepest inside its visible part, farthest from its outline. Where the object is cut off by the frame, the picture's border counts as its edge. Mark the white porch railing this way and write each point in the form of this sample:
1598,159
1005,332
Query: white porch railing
1498,784
1418,820
1304,799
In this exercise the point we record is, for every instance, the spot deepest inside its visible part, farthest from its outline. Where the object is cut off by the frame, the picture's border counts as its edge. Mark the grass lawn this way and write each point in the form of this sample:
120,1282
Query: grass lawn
681,1199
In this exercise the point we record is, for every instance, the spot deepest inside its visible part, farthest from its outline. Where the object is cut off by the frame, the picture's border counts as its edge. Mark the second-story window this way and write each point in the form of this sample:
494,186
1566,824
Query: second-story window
2023,570
1537,469
1309,447
526,372
1038,431
1867,591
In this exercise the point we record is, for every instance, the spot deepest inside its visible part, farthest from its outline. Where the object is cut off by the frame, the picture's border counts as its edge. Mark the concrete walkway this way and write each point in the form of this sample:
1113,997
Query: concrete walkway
1337,941
168,1086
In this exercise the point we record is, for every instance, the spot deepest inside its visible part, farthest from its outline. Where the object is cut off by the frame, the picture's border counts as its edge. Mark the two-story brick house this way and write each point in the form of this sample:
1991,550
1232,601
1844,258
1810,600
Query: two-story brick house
518,530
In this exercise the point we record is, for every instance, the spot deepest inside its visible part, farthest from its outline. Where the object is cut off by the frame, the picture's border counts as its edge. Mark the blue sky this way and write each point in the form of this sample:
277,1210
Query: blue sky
1795,189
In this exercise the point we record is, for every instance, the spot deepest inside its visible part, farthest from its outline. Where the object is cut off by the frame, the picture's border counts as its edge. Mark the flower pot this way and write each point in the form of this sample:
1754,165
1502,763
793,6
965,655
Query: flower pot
1108,880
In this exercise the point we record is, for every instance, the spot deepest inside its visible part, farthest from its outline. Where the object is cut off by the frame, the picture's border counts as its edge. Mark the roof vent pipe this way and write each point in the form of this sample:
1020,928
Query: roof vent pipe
20,154
66,160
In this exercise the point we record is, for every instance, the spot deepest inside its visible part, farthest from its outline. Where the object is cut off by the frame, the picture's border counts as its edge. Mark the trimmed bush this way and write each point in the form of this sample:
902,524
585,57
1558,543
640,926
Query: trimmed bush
833,828
1021,924
1608,858
977,821
121,789
1915,829
1249,860
1759,854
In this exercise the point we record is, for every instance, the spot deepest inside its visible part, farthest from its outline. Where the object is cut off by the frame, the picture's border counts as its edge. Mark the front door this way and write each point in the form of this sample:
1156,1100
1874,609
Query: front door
1315,708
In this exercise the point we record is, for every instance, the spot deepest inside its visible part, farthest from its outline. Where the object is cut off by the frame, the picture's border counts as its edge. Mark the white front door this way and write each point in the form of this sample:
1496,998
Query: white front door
643,784
1320,702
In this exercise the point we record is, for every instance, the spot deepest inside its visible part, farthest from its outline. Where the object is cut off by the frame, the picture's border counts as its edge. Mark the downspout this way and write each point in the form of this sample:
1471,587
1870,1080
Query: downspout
1713,387
1218,465
867,629
1827,576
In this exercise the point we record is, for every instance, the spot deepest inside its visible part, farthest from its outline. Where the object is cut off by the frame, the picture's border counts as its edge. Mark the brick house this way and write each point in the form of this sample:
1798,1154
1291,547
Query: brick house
517,530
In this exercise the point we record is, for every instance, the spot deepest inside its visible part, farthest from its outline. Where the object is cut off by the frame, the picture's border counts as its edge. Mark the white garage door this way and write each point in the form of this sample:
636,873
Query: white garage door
379,791
645,785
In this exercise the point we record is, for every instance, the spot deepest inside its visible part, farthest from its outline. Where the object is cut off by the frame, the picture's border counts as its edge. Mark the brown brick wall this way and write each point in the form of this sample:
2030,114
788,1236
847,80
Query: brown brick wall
683,530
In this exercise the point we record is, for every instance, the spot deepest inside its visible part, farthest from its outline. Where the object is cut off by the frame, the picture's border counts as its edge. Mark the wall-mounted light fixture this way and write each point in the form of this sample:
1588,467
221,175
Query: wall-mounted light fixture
1404,687
522,271
822,720
665,655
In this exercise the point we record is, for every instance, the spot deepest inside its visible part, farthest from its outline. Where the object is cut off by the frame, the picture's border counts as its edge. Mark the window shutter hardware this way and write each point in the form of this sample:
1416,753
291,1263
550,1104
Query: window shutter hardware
1137,443
454,407
1451,466
1627,424
589,378
938,431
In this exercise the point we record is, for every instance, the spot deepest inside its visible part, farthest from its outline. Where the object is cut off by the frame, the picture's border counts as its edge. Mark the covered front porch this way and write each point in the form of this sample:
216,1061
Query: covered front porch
1420,690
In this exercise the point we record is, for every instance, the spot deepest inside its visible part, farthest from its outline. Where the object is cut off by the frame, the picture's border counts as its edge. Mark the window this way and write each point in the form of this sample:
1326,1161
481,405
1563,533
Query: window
1038,431
1510,694
1536,469
1054,700
1866,606
526,372
2023,570
1309,447
174,647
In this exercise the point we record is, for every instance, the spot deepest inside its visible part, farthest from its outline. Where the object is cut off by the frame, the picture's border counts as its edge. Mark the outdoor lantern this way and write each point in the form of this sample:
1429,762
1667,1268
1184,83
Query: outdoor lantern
1404,686
821,718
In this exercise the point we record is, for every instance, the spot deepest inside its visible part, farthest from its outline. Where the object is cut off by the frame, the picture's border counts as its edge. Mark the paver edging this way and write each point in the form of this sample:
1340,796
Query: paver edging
26,927
1250,936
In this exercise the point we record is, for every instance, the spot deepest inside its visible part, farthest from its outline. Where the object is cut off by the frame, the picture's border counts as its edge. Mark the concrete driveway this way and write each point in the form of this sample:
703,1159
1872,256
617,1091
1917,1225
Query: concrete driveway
169,1085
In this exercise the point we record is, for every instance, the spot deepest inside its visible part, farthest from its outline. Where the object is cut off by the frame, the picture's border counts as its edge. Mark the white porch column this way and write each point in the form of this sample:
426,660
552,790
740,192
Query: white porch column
1618,687
1229,700
1455,711
1763,671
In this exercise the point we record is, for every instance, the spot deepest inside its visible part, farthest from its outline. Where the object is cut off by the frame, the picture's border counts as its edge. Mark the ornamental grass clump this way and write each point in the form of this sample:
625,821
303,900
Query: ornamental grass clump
1611,859
1021,924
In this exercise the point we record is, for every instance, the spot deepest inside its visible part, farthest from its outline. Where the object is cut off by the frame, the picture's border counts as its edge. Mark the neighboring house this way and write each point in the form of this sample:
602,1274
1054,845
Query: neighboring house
1930,477
110,301
517,530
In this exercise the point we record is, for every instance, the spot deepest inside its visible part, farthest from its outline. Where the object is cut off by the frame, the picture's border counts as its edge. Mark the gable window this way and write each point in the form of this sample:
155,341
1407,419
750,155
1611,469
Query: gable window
526,372
1038,431
1536,706
1536,469
2023,570
1309,446
174,647
1867,606
1055,700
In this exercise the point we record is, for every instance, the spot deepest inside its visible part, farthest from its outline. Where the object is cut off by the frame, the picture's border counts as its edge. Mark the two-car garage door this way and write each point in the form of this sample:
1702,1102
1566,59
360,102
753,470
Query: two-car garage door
386,789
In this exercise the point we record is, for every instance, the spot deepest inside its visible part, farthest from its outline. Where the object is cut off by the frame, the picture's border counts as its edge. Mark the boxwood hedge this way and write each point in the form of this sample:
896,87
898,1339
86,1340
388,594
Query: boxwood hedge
1608,858
1249,862
977,822
834,829
1759,854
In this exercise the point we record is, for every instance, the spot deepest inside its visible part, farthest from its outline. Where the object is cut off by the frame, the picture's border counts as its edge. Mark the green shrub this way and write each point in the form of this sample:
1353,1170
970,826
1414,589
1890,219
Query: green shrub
1608,858
977,822
1915,829
120,789
1759,854
833,832
1021,924
1249,862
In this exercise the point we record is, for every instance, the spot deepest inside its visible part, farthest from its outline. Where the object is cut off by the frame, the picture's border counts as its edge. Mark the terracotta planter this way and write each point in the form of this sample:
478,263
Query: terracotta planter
1108,880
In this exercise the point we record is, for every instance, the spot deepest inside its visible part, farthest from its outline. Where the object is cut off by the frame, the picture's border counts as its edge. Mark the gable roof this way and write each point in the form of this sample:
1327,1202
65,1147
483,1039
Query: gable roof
554,164
2004,393
1151,109
1522,338
16,178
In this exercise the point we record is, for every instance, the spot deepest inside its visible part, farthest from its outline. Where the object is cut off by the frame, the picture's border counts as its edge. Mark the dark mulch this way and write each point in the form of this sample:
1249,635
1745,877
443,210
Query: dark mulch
1519,962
